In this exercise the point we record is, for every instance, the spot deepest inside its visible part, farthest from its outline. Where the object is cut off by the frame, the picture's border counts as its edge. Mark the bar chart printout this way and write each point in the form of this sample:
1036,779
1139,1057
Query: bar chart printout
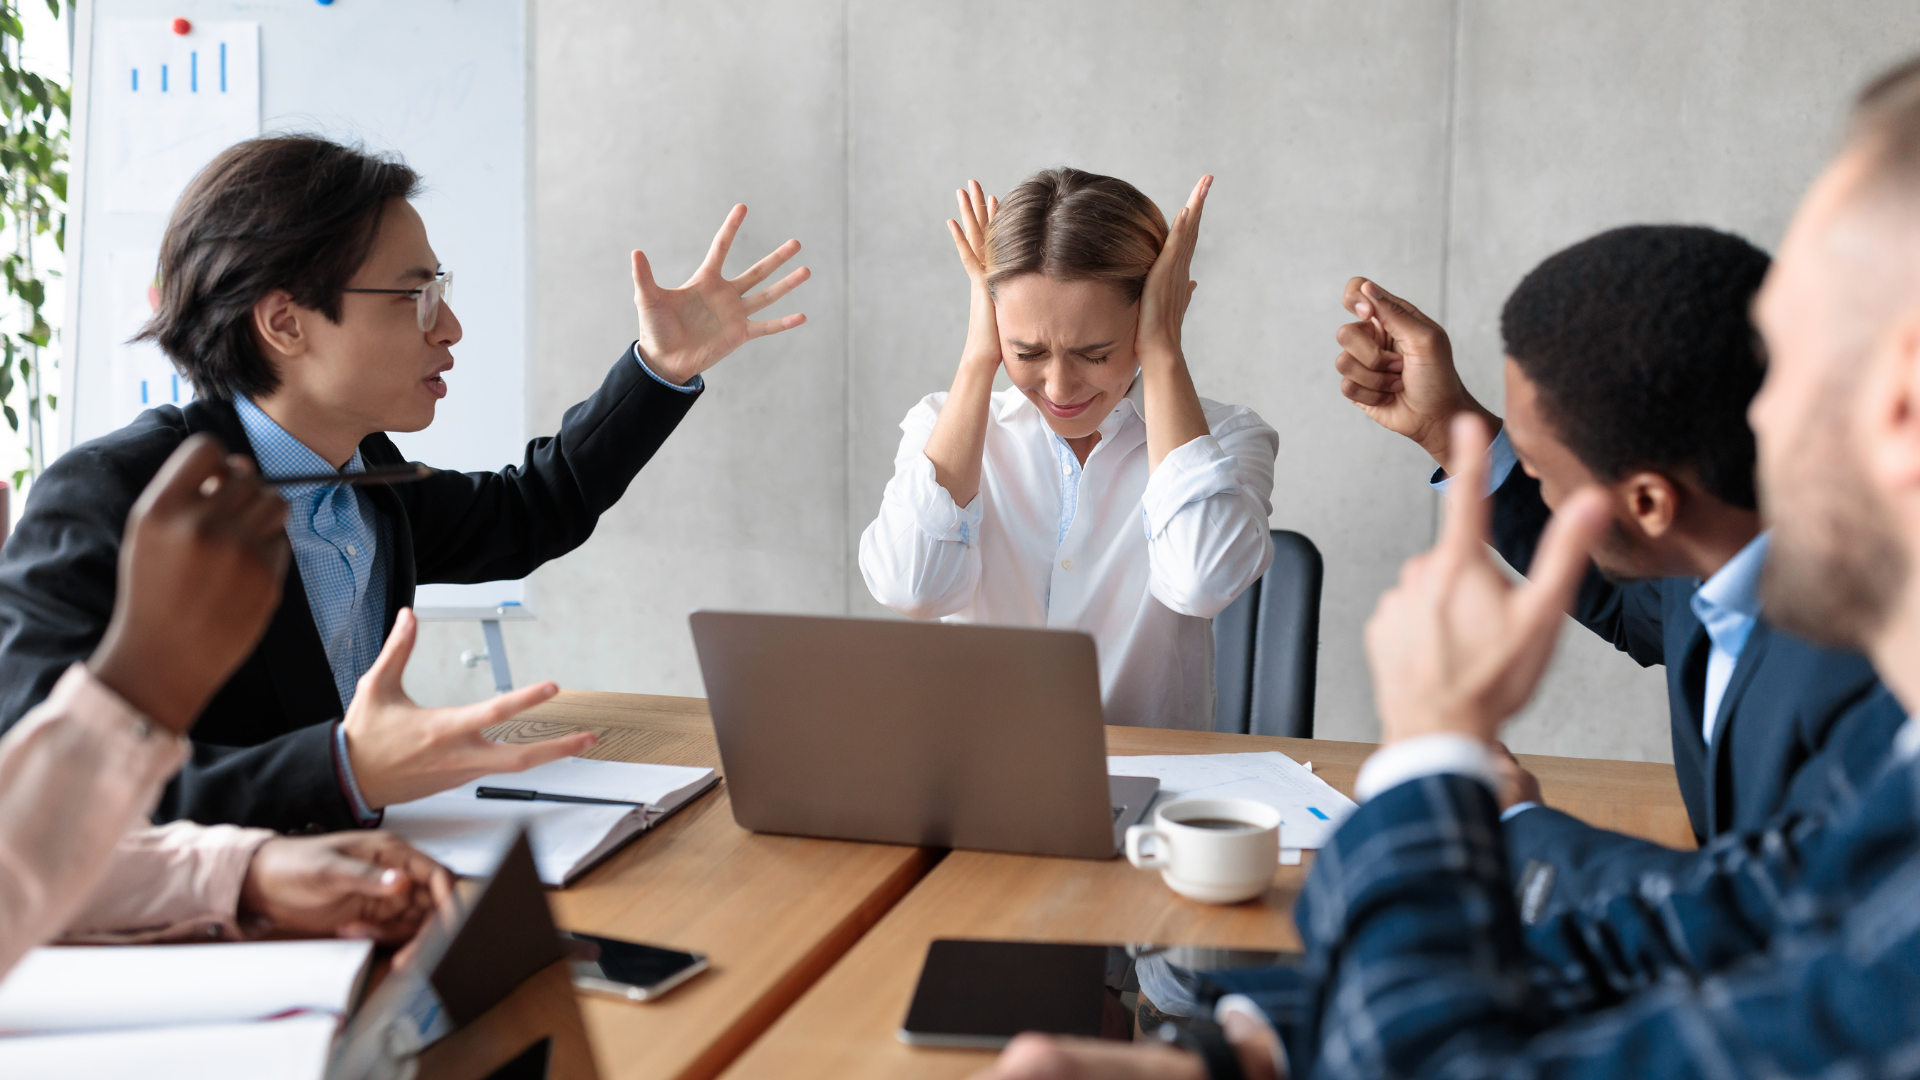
172,102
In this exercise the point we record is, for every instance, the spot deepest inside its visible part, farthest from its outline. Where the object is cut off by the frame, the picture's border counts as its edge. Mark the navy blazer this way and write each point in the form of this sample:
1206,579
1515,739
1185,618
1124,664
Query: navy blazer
1794,952
1781,710
263,747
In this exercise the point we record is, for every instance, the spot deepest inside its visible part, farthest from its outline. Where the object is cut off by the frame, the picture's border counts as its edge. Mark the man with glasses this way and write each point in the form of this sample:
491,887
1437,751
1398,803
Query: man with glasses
299,293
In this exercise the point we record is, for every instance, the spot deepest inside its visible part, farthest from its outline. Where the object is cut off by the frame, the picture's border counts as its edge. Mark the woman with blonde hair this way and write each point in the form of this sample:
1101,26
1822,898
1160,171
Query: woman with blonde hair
1100,492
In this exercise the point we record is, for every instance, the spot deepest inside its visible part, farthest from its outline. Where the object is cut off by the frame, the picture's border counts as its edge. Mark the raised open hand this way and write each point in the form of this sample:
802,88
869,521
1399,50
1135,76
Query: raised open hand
687,330
1456,647
1163,302
977,210
1397,365
402,752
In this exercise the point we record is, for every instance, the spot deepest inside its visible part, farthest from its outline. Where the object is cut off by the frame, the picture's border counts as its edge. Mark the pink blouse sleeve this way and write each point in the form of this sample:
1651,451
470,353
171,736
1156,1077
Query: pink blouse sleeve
176,882
75,774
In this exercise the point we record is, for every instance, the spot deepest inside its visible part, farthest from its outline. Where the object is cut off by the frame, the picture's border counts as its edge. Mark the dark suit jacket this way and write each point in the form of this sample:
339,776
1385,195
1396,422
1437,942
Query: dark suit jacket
1786,700
263,749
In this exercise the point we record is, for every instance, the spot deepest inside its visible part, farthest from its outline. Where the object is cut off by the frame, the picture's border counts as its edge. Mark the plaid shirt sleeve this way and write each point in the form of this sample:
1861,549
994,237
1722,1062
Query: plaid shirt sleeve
1417,965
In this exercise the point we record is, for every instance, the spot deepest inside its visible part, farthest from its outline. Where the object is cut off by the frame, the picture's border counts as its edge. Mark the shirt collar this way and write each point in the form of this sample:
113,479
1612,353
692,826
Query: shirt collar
1735,587
280,454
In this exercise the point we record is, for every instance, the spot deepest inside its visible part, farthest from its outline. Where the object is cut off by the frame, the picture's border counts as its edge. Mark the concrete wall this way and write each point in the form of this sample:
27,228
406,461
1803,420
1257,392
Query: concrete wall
1441,147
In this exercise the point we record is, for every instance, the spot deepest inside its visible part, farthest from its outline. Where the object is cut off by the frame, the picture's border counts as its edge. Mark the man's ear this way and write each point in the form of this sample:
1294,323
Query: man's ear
1649,500
279,324
1890,401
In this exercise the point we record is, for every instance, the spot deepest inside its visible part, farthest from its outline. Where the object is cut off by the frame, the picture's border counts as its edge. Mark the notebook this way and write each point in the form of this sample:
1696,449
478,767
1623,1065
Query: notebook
464,831
103,987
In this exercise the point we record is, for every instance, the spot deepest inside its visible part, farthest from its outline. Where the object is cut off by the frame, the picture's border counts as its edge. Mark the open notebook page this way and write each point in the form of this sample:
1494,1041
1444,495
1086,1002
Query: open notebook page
94,987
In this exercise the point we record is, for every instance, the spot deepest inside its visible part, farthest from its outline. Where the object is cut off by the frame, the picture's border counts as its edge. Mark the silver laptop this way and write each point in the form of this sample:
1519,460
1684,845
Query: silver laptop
943,735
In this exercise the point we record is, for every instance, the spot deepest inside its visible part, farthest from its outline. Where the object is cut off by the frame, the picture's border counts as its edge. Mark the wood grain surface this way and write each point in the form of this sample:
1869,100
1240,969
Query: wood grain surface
816,944
845,1027
772,912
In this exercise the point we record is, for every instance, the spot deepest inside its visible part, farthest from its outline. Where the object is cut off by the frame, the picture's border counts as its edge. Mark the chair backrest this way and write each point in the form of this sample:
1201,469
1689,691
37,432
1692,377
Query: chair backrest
1266,645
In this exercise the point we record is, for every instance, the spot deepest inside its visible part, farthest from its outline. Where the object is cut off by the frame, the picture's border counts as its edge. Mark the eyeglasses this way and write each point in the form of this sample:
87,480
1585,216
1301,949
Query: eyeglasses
426,298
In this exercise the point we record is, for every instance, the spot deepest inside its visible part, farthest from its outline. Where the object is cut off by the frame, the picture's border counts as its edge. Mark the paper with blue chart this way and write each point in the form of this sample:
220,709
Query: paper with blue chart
173,101
1310,808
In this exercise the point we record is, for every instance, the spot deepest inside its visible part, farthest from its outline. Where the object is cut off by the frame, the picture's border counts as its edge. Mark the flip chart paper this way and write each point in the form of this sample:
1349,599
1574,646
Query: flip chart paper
173,101
1310,808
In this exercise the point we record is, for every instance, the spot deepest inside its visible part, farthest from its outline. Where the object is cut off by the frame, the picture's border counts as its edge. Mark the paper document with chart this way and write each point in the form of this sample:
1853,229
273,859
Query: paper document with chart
463,831
1310,808
172,102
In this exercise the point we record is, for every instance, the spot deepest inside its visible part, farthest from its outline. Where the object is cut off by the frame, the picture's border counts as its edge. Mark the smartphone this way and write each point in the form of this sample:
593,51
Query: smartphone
980,994
628,969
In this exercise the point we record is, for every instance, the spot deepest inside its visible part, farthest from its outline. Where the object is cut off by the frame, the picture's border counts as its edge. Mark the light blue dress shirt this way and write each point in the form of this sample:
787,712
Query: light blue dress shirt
1728,605
341,548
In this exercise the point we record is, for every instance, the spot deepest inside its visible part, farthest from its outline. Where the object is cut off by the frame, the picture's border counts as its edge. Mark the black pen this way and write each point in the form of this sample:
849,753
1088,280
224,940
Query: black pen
384,474
525,795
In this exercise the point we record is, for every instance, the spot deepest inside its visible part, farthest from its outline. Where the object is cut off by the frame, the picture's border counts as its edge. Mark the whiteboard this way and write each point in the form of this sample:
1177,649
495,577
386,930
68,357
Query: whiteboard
443,83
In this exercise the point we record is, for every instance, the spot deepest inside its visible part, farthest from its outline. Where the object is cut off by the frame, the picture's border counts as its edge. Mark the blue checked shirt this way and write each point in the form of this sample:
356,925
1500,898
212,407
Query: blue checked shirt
341,547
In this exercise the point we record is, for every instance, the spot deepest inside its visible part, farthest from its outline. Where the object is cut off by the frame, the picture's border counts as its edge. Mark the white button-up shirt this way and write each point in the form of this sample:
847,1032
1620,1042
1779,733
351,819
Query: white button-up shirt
1141,562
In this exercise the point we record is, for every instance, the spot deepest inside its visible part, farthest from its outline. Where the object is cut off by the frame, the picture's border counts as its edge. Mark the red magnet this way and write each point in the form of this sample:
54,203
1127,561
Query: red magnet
182,27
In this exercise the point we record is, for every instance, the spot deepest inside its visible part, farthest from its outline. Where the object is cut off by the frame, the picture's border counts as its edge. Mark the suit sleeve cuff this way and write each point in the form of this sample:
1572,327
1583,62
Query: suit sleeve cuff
1418,758
1500,462
366,816
692,386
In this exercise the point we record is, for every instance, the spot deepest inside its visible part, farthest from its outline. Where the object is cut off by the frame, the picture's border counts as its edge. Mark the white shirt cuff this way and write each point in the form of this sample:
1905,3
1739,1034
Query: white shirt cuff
1516,810
932,506
1500,463
1428,755
1194,471
692,386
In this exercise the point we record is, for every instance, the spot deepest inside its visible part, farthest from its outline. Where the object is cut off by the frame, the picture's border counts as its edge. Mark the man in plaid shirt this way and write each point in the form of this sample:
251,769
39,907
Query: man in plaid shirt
1795,952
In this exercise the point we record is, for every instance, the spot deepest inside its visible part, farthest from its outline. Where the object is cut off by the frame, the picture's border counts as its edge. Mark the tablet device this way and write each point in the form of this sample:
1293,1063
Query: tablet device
980,994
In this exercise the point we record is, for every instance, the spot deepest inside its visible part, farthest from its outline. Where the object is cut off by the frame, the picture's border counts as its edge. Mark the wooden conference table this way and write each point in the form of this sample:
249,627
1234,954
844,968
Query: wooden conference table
816,944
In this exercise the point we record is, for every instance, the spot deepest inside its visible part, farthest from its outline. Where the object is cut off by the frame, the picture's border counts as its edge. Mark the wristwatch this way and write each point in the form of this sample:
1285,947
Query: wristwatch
1204,1038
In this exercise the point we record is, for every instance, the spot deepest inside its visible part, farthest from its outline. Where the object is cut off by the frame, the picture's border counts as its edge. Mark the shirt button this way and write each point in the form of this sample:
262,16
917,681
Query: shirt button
1066,564
351,550
1066,469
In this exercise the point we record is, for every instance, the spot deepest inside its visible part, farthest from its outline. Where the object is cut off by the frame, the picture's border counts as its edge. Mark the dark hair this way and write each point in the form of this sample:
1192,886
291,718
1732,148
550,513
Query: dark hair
1076,226
1641,347
293,212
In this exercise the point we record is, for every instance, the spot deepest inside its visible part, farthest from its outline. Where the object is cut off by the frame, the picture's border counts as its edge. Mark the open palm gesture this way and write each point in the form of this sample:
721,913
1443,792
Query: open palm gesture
687,330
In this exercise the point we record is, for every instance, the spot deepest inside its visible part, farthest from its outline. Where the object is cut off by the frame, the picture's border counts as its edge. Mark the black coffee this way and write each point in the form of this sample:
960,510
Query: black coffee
1224,824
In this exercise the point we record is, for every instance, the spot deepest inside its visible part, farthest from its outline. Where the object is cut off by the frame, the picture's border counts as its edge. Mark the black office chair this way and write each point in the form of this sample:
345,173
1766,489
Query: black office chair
1265,645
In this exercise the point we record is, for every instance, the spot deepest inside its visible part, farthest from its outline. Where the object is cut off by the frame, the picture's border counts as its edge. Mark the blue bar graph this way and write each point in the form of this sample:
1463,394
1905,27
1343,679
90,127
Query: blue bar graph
176,401
163,78
223,67
143,391
136,80
193,72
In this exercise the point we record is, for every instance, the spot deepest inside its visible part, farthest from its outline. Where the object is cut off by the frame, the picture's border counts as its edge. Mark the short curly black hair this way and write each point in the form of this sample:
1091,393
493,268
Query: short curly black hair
1640,344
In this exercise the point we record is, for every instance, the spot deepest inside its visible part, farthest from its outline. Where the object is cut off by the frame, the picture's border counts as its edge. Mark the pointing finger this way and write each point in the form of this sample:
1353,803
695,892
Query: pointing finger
502,708
1466,526
644,286
1560,563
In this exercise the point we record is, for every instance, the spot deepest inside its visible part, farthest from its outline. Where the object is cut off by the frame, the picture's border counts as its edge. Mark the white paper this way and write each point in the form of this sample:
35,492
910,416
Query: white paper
292,1049
143,377
171,102
464,832
1310,808
97,987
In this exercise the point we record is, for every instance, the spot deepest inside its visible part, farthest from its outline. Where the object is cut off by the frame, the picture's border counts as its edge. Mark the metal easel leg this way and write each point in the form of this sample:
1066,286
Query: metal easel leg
497,655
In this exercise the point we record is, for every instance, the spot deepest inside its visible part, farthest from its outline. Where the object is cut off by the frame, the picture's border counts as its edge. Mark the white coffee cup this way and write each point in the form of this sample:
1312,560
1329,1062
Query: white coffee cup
1218,851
